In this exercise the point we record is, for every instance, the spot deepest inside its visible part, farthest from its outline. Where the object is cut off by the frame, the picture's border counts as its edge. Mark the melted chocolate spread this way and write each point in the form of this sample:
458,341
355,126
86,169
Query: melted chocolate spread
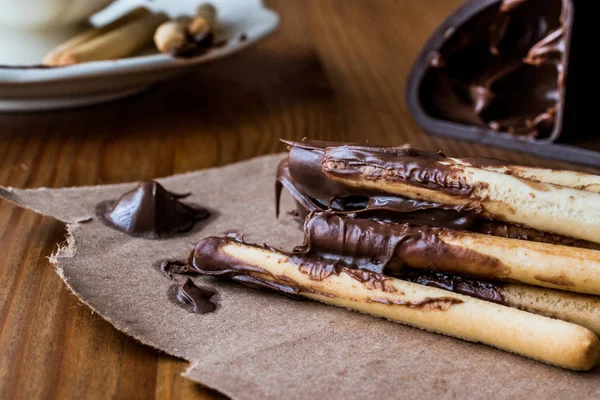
195,298
302,175
503,69
151,211
173,267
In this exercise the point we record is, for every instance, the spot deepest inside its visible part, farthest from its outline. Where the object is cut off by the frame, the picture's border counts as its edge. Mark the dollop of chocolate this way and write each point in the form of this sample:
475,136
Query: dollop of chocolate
195,298
151,211
503,69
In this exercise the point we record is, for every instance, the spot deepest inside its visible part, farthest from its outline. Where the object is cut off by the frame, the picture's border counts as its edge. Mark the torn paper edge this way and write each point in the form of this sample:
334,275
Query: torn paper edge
193,365
68,250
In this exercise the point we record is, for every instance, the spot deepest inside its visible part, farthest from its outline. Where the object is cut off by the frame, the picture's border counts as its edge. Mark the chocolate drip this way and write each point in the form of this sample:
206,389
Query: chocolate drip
458,284
194,298
441,303
285,180
151,211
513,231
304,167
504,69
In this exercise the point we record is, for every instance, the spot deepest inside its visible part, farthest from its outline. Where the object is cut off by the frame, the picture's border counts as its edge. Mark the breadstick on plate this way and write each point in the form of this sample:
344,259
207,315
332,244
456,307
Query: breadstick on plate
549,340
120,42
435,178
52,58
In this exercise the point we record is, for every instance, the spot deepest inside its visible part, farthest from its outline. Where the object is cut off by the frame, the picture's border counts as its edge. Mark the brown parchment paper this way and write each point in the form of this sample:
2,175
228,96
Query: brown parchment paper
259,344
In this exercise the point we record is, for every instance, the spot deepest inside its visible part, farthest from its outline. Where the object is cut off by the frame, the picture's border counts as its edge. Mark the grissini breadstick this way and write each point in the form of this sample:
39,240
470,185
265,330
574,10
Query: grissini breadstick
549,340
120,42
52,58
301,174
573,307
577,308
572,179
433,178
391,247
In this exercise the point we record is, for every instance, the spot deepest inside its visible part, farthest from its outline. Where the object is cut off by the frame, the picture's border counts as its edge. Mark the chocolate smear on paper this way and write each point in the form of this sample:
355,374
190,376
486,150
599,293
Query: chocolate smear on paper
194,298
258,344
173,267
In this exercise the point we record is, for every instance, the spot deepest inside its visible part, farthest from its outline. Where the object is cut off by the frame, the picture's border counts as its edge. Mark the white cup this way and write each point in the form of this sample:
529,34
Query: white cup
30,28
47,14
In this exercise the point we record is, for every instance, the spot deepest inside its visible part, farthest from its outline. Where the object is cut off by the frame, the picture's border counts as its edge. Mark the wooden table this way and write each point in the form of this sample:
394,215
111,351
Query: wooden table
335,70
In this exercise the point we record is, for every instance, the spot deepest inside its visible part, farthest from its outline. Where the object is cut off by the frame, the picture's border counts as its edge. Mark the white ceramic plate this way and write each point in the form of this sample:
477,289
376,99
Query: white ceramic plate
30,88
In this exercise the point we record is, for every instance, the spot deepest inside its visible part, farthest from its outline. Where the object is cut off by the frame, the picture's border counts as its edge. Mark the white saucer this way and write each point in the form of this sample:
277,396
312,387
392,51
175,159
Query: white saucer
32,88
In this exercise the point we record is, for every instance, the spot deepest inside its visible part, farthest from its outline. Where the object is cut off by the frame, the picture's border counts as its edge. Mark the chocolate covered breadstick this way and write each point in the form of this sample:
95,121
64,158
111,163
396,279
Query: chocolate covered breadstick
391,247
549,340
301,174
435,178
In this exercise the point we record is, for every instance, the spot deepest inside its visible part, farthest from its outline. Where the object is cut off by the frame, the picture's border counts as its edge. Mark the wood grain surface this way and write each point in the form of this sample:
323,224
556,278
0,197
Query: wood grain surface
335,70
